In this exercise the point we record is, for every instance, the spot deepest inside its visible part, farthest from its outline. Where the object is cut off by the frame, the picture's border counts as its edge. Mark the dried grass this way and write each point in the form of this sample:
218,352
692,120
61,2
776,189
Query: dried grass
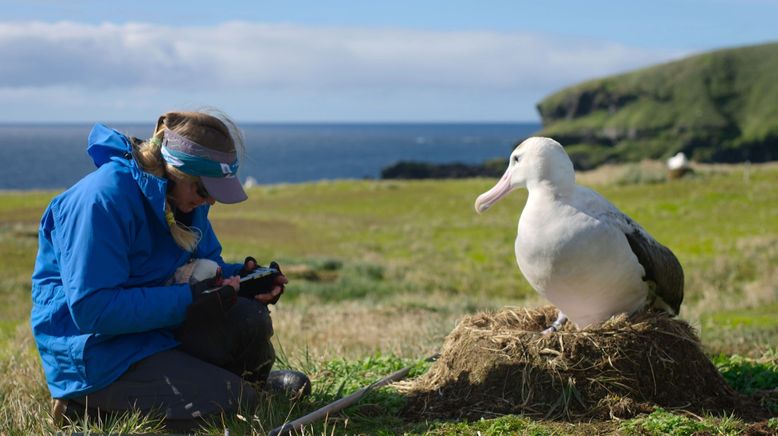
497,363
353,329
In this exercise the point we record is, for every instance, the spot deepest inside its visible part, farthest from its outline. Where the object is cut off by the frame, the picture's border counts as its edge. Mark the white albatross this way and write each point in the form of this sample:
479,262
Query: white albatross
577,249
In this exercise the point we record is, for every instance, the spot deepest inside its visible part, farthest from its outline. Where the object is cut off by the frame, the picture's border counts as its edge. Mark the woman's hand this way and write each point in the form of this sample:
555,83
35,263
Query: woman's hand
233,281
278,288
249,265
213,297
268,289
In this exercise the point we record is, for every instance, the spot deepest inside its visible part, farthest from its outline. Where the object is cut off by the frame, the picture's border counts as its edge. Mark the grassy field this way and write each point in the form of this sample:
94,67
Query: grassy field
382,270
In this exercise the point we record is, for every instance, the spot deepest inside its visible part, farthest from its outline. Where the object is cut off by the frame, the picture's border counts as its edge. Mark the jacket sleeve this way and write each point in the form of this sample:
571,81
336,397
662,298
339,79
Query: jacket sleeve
95,245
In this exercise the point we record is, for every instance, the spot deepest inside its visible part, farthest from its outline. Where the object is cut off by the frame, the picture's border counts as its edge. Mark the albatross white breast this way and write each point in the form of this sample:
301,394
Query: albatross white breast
577,249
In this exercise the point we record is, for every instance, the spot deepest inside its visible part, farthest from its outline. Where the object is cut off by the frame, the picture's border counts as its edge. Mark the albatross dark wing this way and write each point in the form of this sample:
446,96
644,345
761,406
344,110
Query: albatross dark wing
661,265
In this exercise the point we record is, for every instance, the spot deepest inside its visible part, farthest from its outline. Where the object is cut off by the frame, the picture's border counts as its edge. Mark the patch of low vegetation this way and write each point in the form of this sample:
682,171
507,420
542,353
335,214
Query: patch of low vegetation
754,377
647,172
354,281
662,422
382,271
497,426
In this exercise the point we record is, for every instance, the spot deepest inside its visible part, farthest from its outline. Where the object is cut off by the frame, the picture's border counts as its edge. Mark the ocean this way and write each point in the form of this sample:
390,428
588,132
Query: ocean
53,156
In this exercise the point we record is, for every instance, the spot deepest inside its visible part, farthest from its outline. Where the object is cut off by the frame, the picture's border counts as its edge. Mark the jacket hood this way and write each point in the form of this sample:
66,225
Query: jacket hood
105,143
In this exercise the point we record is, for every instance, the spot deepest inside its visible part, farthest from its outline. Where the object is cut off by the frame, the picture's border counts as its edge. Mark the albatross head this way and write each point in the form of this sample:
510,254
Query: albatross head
536,160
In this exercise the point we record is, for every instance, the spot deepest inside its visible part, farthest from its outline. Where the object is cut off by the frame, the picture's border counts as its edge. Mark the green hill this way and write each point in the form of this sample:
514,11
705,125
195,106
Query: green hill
720,106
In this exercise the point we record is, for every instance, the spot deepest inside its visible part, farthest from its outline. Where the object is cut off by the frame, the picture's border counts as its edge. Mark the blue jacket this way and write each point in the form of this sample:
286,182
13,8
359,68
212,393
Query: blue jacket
99,293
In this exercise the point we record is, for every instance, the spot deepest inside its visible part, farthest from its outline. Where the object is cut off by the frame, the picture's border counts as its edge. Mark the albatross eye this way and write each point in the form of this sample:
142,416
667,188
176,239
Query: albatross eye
515,159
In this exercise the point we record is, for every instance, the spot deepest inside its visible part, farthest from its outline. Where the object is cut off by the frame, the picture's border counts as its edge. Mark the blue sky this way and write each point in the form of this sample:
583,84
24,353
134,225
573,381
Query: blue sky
338,61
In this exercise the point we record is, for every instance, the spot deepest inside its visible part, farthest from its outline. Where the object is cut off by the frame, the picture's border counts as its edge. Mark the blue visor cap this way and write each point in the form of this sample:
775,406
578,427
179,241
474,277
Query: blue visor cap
217,170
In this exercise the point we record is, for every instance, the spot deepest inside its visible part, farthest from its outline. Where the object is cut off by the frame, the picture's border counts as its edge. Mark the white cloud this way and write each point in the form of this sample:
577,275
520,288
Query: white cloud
71,60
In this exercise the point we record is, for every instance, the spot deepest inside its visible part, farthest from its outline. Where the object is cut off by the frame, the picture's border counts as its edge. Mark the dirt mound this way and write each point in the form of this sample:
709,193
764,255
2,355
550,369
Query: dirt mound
497,363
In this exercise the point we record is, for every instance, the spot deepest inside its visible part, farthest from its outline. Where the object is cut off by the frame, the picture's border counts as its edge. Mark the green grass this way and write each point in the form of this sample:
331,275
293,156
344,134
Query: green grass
762,317
498,426
662,422
753,376
381,271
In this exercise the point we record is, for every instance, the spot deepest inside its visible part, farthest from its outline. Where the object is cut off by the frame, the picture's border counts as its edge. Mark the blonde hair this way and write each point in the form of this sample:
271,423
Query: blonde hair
215,131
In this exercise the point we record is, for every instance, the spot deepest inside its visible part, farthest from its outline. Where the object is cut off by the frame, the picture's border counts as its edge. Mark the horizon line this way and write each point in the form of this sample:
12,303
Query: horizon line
239,122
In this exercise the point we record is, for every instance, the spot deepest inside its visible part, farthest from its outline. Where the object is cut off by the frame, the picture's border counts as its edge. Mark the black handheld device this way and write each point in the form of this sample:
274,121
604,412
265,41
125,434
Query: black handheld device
259,281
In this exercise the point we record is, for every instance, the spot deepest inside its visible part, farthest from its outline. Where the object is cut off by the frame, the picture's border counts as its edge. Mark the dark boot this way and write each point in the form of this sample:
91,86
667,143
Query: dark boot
292,384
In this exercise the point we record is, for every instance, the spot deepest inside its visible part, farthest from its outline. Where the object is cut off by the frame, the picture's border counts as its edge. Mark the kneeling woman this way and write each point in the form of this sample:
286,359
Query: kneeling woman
114,330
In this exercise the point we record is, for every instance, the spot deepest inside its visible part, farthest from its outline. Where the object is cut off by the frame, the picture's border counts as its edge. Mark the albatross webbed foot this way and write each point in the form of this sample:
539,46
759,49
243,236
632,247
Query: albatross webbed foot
556,325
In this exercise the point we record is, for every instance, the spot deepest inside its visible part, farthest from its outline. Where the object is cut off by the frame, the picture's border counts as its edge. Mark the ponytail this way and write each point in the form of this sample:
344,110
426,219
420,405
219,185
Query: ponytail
149,157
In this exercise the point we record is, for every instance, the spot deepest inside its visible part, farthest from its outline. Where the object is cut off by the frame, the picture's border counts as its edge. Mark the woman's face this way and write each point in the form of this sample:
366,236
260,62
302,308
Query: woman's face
185,196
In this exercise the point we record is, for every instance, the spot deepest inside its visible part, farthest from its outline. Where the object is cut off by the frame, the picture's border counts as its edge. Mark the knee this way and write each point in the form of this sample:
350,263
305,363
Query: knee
252,317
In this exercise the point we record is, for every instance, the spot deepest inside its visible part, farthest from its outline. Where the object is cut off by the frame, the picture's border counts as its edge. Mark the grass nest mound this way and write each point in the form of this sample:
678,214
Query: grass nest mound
497,363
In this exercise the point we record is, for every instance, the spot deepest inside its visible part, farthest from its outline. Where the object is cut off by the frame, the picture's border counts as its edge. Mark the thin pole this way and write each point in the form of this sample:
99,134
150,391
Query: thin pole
342,403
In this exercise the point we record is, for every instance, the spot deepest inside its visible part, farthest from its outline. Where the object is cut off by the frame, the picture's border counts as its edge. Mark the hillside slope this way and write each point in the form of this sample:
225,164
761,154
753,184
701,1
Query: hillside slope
720,106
